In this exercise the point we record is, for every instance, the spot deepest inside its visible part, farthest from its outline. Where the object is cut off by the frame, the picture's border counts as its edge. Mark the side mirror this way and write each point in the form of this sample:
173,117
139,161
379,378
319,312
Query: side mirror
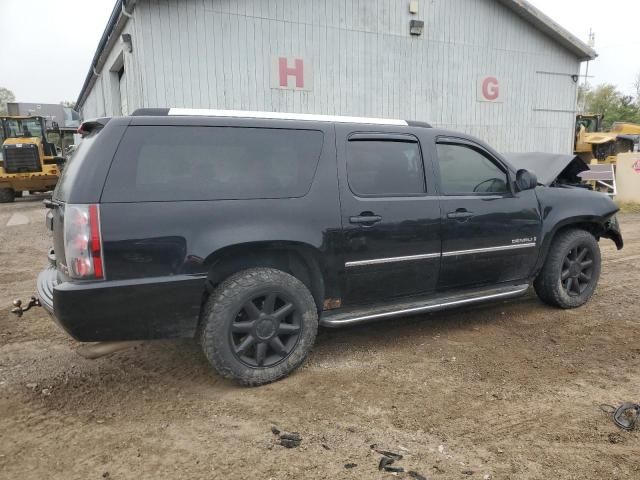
526,180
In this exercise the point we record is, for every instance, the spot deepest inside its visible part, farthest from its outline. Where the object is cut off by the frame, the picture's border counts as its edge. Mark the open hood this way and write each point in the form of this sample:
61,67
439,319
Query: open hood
549,167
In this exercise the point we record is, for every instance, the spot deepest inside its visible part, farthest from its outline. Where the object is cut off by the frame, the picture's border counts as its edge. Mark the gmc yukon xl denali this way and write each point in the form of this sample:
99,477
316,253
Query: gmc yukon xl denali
248,230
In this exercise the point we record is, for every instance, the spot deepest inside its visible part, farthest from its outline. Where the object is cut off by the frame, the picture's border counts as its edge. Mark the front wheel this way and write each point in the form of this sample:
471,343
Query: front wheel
571,271
258,326
7,195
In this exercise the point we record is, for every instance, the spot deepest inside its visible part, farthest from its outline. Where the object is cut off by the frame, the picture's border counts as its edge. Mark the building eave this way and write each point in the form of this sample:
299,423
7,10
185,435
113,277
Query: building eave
119,17
549,27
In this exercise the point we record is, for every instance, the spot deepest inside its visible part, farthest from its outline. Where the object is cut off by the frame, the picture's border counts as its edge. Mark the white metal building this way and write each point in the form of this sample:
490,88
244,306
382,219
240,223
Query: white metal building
498,69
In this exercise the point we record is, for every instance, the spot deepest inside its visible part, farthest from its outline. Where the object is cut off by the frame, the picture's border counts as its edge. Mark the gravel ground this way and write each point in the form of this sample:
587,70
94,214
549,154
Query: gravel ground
507,390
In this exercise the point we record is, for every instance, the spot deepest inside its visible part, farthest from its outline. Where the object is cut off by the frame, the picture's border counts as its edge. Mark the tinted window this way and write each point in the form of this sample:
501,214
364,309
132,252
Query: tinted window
384,168
463,170
71,168
212,163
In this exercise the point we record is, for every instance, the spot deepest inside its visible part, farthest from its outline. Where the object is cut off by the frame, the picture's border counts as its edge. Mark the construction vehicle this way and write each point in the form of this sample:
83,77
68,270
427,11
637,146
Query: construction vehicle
29,161
594,145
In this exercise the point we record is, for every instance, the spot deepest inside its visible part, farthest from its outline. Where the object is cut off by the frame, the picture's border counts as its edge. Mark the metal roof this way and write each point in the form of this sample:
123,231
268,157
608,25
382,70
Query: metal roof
549,27
123,8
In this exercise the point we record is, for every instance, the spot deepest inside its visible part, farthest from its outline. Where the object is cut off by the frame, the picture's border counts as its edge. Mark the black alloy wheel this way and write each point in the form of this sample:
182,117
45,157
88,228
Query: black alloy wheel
266,329
258,325
571,270
577,270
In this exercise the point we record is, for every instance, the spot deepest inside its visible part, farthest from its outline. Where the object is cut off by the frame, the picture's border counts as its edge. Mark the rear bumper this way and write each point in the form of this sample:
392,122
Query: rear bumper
141,309
47,280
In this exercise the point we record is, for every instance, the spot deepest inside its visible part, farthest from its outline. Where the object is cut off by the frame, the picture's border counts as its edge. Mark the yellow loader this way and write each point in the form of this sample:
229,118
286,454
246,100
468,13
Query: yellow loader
595,146
28,162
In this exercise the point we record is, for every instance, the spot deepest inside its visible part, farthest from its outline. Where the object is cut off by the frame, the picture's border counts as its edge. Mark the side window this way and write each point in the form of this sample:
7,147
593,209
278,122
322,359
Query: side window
464,171
385,168
166,163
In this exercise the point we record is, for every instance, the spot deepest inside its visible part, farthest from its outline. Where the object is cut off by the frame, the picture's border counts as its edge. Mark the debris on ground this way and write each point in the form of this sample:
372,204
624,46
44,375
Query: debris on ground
392,469
389,458
350,465
615,438
467,472
437,469
386,453
288,440
625,416
384,461
416,475
325,446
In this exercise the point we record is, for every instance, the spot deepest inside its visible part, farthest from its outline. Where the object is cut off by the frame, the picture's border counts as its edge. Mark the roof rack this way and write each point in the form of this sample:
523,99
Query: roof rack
271,115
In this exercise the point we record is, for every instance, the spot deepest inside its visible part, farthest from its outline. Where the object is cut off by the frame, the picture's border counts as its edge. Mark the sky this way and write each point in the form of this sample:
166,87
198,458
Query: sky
46,46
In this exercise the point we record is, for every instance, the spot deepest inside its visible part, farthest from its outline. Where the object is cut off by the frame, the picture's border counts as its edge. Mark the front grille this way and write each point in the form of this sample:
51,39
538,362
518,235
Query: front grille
22,159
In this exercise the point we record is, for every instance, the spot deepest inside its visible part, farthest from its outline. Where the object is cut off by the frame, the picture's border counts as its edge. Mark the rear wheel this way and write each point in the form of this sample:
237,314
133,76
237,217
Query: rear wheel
7,195
18,193
571,271
258,326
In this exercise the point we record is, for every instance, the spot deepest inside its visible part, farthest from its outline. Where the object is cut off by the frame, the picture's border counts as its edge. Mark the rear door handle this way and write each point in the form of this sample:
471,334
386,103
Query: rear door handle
365,219
459,214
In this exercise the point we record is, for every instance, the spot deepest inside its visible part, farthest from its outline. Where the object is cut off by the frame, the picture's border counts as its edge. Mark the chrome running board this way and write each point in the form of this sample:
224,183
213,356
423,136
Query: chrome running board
352,316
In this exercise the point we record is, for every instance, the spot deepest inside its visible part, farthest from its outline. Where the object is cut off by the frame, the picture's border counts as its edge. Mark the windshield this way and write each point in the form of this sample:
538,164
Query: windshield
22,128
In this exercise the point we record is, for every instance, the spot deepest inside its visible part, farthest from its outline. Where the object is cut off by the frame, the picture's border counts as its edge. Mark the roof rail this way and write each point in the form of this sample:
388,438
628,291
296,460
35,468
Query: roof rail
272,115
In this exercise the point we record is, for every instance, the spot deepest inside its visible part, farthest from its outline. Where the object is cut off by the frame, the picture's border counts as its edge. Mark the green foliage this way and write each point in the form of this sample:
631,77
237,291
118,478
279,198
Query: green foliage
608,100
6,96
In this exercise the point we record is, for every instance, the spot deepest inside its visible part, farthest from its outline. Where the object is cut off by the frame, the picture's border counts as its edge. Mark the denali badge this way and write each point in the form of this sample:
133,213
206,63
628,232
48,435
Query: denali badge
517,241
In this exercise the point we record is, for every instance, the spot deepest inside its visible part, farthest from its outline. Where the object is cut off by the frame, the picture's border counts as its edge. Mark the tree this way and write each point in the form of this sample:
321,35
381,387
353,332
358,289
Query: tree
68,103
6,96
616,107
636,86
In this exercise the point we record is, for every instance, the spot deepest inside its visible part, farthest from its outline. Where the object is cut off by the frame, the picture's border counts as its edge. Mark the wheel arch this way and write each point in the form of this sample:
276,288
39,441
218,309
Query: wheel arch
591,224
299,259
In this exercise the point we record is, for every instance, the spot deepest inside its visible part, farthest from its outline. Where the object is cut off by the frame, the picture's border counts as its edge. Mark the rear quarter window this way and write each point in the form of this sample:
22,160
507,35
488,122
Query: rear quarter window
71,169
172,163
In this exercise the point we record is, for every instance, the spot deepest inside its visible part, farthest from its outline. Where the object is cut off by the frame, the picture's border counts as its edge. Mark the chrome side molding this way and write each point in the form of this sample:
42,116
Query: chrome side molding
424,256
377,261
488,249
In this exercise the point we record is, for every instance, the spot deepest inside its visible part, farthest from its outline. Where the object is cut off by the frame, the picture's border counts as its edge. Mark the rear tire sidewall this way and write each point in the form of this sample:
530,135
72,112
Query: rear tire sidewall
227,300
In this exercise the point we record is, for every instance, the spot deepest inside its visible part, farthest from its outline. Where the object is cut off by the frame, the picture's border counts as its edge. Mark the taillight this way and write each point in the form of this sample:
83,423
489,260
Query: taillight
83,241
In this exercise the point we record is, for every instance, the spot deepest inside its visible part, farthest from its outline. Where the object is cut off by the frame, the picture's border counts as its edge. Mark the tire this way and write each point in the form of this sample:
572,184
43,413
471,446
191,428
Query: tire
571,270
243,336
7,195
18,194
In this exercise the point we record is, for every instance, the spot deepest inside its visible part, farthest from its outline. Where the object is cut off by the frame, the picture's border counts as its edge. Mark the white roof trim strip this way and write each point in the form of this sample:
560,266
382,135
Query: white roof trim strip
282,116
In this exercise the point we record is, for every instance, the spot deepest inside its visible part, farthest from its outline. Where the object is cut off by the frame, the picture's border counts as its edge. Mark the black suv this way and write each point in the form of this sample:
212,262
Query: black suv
248,230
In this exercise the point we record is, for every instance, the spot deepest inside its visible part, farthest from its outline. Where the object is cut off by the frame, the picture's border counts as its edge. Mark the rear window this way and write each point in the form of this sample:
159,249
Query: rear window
212,163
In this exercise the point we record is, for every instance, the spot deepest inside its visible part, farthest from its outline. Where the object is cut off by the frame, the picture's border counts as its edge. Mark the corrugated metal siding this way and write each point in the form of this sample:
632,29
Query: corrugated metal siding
217,54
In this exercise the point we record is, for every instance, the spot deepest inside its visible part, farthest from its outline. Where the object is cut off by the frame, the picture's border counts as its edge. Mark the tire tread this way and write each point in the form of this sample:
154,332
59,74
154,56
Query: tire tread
547,285
219,306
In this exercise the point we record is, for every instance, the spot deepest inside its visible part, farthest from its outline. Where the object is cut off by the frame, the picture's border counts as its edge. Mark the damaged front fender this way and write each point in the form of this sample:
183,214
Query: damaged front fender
612,232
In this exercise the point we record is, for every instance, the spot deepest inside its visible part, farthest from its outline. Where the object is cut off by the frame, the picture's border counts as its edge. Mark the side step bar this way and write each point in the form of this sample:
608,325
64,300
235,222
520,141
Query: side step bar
341,318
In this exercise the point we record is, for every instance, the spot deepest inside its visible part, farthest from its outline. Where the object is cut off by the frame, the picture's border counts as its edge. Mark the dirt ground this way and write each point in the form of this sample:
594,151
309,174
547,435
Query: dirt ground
508,390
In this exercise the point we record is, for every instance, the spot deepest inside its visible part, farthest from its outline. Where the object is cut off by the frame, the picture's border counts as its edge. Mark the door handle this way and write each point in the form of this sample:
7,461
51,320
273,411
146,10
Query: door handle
461,213
366,219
